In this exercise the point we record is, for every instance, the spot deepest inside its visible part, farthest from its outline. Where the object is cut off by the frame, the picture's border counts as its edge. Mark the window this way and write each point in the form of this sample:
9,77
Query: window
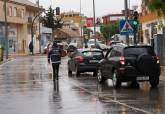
22,13
1,29
10,11
15,12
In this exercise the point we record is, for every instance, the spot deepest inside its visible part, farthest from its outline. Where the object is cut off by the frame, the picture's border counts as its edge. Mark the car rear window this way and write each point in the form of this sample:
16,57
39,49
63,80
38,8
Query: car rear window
92,53
138,50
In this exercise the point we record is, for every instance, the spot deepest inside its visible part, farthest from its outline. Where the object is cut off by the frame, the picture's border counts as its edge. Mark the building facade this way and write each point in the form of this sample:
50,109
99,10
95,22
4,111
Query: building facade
112,18
153,31
151,23
20,14
72,29
74,17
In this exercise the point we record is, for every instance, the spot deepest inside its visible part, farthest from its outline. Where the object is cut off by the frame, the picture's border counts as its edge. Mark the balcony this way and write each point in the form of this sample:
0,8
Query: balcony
16,20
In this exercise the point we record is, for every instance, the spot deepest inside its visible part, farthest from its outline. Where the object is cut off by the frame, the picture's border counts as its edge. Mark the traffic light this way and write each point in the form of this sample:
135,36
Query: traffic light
57,10
135,20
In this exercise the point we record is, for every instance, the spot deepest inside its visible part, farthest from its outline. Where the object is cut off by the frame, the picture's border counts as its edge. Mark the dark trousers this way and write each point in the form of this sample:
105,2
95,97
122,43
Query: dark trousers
55,67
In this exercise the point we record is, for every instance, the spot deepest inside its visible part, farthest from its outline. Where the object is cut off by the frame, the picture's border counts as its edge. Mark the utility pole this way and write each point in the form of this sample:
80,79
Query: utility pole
6,30
94,19
126,19
39,29
81,32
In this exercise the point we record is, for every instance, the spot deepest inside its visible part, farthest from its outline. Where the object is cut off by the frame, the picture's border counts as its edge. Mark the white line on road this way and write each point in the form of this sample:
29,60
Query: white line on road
115,101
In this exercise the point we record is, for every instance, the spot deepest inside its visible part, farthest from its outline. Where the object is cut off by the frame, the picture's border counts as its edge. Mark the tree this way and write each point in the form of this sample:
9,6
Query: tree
52,21
156,5
109,30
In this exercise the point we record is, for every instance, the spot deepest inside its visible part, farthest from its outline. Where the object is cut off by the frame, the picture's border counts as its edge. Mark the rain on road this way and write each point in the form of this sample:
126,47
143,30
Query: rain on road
26,87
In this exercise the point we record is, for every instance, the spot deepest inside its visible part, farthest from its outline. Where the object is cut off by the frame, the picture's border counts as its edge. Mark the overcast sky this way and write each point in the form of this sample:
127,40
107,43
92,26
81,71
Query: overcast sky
102,7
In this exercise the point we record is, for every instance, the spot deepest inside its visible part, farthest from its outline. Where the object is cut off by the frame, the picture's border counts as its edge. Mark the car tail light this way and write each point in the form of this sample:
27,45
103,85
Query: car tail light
79,59
122,60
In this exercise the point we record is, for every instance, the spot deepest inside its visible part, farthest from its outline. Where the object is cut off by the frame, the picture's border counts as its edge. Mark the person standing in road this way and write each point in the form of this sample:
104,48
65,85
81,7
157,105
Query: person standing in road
54,55
31,47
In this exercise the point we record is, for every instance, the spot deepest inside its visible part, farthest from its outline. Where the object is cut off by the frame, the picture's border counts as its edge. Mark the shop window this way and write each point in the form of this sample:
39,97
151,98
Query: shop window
10,43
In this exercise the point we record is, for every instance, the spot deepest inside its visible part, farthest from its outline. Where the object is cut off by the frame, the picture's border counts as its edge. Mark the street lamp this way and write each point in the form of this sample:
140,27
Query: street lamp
94,19
126,19
39,29
82,42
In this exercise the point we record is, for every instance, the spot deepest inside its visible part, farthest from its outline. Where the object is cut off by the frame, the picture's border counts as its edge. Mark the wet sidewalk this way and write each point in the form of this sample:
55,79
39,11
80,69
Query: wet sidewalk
13,56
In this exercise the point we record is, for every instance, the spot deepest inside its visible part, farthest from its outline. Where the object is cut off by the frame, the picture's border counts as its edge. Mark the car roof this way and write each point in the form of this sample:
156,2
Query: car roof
129,46
89,49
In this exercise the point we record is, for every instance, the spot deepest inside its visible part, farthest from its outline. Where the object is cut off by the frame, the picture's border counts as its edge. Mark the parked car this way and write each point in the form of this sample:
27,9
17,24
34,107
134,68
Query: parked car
84,60
91,43
102,46
123,63
71,48
111,43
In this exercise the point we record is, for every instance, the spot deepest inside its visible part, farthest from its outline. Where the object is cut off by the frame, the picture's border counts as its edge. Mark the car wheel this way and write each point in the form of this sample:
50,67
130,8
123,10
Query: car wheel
154,81
116,82
77,72
100,78
69,72
135,84
95,74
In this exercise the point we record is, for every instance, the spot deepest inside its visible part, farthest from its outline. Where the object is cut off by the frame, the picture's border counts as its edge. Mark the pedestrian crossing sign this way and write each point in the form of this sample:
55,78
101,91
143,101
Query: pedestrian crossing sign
125,27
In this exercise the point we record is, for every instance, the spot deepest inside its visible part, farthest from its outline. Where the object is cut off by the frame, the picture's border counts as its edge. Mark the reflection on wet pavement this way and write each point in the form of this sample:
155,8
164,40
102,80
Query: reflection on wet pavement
26,87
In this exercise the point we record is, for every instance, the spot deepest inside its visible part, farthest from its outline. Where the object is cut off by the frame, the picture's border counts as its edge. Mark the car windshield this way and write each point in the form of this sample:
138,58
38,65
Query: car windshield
92,53
138,50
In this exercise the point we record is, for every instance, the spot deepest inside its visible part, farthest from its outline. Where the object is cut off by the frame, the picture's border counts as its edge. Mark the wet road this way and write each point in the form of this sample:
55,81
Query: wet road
26,87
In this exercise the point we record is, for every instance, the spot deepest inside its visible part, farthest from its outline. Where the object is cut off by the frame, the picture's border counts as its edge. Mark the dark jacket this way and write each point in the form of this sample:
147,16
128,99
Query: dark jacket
54,55
31,47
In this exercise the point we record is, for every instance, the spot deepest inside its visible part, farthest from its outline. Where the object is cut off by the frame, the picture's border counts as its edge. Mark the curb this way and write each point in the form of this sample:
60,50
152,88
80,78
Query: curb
4,61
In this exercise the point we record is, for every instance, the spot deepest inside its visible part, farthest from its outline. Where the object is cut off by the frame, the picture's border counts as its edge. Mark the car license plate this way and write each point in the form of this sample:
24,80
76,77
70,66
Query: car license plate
142,78
93,61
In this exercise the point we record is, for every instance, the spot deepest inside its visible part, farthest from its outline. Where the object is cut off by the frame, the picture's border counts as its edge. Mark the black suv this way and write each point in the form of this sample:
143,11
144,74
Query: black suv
123,63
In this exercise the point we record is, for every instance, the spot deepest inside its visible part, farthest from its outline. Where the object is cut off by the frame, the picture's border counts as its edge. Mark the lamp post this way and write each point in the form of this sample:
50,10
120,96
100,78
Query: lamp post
6,29
81,32
126,19
39,29
94,23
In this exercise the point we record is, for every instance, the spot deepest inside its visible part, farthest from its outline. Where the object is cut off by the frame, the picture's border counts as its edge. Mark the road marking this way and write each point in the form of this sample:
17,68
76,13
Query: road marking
115,101
131,107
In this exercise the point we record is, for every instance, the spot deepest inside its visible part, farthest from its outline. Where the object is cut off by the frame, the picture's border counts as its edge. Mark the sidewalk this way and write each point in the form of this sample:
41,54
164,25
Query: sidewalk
13,56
